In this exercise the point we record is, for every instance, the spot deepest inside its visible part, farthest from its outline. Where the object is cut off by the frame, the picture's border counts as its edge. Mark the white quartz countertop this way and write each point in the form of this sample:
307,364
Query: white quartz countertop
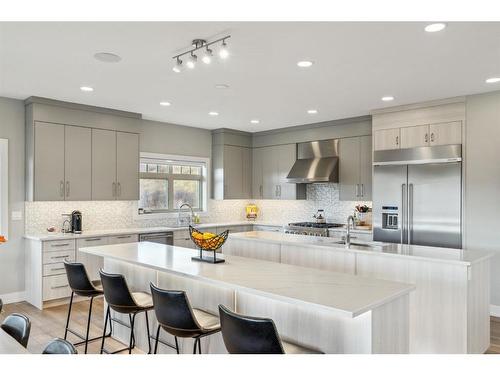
438,254
345,294
47,236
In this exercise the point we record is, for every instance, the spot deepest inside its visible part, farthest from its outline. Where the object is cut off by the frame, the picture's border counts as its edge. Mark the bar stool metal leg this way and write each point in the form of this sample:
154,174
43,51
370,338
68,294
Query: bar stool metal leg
69,313
147,329
157,338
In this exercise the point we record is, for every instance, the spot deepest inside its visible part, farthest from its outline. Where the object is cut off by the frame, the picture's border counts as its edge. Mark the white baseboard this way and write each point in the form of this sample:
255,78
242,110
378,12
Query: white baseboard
13,297
495,310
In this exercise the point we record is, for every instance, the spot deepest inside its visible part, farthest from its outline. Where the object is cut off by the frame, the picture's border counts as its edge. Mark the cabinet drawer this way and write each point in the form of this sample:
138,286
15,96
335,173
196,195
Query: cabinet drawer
93,241
124,238
53,269
58,245
181,234
55,287
58,256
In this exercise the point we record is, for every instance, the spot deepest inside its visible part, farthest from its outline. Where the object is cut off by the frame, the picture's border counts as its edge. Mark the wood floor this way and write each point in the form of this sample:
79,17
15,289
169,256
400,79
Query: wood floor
49,323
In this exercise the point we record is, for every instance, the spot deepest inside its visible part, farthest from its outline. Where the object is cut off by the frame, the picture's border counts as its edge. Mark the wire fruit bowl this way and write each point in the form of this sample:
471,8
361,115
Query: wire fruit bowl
207,244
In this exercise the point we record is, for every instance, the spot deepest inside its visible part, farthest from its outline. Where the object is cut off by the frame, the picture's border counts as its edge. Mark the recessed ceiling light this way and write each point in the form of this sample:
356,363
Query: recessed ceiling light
254,121
493,80
213,113
86,88
312,111
107,57
221,86
434,27
304,64
387,98
165,104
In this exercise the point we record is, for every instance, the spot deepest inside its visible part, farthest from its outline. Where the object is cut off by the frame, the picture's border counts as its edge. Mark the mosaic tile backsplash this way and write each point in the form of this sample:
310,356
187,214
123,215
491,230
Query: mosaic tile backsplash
98,215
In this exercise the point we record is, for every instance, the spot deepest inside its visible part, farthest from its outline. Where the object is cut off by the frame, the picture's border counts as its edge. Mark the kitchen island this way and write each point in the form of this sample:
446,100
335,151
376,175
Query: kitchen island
449,310
327,311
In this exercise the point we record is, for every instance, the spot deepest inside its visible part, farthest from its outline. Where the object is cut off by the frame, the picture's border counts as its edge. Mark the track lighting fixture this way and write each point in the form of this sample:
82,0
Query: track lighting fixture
207,53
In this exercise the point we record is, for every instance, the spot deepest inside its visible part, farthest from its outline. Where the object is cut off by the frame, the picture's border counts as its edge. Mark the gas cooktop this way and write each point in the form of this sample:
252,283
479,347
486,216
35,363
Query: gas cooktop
311,224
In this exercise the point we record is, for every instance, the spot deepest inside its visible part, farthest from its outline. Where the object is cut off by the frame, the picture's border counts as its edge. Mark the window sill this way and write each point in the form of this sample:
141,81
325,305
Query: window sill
164,215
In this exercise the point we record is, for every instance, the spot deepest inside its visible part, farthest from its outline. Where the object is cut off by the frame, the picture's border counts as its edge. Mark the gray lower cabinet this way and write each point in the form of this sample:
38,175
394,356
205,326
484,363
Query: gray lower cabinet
48,173
78,163
127,166
355,165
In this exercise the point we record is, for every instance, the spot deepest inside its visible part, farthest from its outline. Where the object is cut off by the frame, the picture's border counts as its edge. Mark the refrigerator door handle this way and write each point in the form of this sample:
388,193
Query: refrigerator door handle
403,212
410,213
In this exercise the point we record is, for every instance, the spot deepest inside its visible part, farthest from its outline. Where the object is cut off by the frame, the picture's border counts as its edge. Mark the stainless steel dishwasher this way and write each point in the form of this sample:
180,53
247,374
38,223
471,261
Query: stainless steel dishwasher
165,238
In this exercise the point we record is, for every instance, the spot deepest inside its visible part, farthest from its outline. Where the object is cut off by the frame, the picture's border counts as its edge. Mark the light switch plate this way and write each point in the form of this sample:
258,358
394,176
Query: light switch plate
17,215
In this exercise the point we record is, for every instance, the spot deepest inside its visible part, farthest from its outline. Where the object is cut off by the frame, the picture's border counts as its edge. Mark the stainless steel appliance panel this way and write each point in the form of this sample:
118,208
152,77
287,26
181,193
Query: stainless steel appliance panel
389,202
434,209
164,238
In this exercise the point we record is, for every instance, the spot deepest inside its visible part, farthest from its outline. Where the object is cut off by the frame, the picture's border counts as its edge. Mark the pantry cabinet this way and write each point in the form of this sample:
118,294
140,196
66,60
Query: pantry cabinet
355,164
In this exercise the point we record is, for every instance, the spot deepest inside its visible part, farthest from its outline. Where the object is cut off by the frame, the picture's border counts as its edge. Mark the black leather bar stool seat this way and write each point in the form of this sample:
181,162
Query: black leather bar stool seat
80,285
18,326
250,335
120,299
176,316
59,346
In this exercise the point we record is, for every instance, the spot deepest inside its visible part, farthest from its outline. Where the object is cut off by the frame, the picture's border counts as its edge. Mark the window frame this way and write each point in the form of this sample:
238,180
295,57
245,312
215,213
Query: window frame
4,187
180,159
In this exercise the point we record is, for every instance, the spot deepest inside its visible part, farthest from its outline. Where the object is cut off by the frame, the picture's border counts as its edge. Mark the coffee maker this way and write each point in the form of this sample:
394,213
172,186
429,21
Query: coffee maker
76,222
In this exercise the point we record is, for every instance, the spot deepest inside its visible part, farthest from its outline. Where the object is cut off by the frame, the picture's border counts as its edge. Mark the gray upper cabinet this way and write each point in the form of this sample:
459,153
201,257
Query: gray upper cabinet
103,164
78,163
355,165
257,183
269,173
233,172
286,156
49,182
127,166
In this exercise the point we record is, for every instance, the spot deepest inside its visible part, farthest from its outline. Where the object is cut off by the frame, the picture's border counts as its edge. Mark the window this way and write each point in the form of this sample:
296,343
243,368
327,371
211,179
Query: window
166,184
4,183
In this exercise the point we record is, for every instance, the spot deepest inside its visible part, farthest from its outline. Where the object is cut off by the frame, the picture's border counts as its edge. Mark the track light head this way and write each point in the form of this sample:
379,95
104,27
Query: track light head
223,51
191,63
178,65
207,56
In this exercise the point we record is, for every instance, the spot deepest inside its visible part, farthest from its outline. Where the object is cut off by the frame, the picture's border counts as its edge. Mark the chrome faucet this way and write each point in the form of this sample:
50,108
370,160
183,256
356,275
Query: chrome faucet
180,221
348,230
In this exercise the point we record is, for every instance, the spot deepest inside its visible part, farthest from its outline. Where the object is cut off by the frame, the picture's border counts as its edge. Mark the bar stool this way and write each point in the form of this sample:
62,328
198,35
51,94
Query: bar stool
250,335
80,285
18,326
120,299
176,316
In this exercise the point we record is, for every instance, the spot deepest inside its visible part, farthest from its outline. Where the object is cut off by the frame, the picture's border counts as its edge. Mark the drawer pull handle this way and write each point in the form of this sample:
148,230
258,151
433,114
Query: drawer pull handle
123,236
92,239
57,269
60,244
59,286
60,256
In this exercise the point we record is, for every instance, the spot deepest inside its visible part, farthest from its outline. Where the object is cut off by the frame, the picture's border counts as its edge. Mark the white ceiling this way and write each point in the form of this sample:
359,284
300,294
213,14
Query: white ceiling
355,65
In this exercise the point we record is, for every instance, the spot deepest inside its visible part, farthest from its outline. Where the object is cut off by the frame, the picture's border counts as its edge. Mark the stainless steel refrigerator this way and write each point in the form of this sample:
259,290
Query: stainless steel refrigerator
417,196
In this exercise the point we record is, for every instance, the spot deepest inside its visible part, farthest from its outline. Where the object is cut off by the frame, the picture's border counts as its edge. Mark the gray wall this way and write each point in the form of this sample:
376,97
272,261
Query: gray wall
482,180
12,253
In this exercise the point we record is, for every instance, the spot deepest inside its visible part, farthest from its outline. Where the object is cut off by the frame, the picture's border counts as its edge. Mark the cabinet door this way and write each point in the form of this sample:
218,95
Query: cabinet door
269,173
285,156
233,172
127,166
246,158
103,164
447,133
349,154
49,162
387,139
78,163
257,186
365,167
415,136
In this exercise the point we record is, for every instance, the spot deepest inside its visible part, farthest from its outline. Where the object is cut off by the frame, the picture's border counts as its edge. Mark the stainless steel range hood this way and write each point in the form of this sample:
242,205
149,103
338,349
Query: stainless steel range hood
317,161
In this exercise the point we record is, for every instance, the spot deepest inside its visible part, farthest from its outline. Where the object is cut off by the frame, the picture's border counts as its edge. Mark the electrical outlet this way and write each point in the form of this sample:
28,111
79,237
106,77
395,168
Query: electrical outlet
17,215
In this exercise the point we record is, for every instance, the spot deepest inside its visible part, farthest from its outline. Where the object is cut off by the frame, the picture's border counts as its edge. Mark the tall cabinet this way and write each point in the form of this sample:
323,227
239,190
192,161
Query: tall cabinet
355,163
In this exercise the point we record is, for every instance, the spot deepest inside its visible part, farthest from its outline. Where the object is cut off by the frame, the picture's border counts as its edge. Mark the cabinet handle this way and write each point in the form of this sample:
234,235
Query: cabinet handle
92,239
60,244
261,191
362,190
119,185
61,188
432,137
113,189
276,190
279,190
57,269
123,236
67,188
426,138
397,140
356,190
59,286
60,257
